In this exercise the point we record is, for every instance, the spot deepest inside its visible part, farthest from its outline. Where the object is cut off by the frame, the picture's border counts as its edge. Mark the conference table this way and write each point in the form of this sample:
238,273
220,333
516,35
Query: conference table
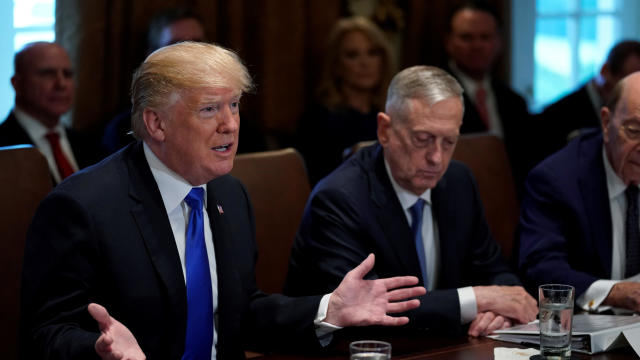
449,348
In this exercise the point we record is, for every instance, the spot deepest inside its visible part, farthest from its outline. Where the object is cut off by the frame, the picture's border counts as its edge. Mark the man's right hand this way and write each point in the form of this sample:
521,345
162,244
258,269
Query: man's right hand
116,342
512,302
625,294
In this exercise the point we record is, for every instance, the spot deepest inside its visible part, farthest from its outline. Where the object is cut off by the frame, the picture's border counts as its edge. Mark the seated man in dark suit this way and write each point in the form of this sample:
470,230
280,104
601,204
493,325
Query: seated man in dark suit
403,200
163,238
473,44
43,82
563,119
579,221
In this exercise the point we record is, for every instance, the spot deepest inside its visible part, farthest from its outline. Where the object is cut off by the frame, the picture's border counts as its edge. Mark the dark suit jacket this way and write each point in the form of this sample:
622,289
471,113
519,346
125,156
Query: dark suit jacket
84,148
573,112
355,211
103,236
516,126
565,225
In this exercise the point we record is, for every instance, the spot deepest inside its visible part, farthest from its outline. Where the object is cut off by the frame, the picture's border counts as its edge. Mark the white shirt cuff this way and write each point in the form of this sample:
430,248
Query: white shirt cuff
591,299
324,330
468,305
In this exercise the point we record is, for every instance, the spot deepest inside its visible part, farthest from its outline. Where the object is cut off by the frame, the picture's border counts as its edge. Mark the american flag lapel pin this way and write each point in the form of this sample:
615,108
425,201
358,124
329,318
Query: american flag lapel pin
220,211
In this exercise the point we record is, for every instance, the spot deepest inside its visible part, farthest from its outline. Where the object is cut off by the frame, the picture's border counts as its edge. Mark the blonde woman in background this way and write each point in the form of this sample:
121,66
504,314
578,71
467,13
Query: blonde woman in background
357,69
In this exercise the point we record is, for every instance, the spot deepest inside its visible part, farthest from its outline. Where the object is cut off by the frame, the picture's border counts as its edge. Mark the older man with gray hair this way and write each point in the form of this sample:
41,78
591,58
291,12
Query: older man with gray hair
160,236
404,200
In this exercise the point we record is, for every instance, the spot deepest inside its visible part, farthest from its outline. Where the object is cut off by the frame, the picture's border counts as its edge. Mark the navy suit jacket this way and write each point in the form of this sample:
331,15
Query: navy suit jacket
84,147
565,225
355,211
573,112
103,236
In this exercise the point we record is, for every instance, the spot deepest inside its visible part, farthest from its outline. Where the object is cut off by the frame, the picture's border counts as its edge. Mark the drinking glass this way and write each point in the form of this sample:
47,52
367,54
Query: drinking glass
556,314
370,350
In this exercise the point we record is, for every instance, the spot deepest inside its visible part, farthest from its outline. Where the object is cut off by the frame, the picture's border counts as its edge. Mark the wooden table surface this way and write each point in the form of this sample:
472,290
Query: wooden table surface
460,348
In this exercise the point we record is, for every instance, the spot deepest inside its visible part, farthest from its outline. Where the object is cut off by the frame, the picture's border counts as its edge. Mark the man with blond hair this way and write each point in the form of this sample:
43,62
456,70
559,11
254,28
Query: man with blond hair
152,252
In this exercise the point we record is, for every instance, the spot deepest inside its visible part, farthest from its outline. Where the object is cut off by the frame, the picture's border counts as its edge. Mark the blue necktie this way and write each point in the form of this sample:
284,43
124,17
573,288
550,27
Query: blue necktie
633,232
416,227
199,337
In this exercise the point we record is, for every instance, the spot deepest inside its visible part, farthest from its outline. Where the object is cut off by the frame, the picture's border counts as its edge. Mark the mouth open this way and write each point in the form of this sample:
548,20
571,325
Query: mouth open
222,148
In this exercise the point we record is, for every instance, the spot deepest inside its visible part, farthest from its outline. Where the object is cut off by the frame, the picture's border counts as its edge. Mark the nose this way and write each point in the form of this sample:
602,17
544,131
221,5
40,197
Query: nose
62,80
434,153
229,121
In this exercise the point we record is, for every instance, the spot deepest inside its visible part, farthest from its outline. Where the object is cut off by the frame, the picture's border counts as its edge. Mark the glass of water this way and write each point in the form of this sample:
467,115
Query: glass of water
556,314
370,350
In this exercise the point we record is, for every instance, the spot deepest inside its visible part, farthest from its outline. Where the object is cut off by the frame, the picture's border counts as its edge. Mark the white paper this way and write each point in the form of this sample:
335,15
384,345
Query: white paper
503,353
633,337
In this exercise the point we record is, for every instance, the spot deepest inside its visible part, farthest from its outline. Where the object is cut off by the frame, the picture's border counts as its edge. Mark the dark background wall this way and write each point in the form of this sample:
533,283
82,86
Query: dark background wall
281,42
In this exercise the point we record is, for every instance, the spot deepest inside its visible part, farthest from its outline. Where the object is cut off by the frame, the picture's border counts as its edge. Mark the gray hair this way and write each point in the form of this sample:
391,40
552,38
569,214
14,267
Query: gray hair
427,83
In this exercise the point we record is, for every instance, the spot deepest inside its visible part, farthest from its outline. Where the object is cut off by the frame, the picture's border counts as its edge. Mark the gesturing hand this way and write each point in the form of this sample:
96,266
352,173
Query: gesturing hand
359,302
115,341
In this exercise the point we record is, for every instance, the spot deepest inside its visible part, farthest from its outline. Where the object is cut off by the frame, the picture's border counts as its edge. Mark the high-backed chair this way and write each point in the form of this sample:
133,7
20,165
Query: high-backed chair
486,156
278,186
24,182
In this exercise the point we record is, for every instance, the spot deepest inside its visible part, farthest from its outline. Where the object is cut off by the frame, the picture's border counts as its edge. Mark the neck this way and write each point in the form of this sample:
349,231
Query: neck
45,119
358,99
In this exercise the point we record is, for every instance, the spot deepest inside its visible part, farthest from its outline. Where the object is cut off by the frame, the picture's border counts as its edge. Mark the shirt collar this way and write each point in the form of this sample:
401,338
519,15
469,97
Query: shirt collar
34,128
407,199
173,188
469,84
615,186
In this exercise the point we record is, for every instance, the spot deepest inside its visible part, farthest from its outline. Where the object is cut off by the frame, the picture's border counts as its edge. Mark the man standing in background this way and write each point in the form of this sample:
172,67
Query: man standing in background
44,86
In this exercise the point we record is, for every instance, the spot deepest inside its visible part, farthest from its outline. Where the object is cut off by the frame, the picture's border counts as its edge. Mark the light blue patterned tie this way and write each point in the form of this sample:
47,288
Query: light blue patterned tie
416,227
199,336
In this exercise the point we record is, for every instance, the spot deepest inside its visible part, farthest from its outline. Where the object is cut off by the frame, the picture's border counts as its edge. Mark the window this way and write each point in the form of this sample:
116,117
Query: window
21,22
559,45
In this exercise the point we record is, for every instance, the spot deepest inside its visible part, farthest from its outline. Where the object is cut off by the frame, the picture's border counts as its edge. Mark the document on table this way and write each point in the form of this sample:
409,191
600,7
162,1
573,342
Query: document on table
590,333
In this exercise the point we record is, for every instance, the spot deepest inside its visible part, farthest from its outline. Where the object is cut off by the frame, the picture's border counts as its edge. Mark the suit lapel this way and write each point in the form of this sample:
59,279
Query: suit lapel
153,224
228,278
594,194
398,238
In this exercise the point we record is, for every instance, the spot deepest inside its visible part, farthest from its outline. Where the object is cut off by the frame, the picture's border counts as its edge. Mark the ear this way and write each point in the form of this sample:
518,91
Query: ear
384,126
605,117
15,83
154,124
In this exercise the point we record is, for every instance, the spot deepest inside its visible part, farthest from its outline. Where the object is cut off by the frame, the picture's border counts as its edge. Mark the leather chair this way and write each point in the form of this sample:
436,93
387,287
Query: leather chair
25,180
278,186
486,157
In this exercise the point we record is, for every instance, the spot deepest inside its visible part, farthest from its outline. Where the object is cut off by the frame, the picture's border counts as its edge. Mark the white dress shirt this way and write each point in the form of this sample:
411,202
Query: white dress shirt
598,291
430,239
37,131
173,189
470,86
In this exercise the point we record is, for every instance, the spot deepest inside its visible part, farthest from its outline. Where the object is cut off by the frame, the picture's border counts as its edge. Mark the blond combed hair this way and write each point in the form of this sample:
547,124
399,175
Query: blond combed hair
173,69
329,90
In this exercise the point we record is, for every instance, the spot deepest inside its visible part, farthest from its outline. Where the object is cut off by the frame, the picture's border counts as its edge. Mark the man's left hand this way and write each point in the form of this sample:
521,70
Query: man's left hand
487,322
359,302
